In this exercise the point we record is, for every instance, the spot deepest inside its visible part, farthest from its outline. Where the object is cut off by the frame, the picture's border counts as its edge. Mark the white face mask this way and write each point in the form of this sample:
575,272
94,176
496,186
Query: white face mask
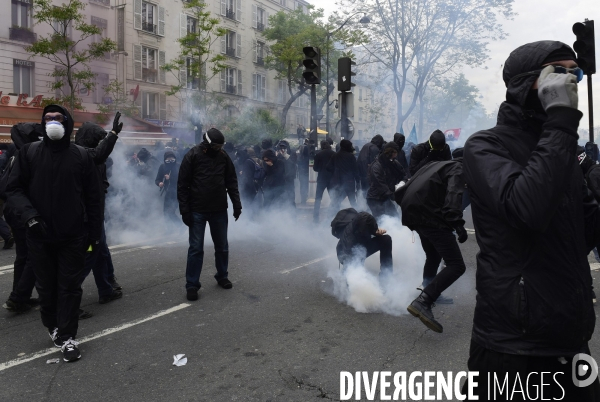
55,130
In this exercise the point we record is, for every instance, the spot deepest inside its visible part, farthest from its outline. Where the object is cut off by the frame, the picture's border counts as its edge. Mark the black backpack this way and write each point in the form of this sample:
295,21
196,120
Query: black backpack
342,219
259,172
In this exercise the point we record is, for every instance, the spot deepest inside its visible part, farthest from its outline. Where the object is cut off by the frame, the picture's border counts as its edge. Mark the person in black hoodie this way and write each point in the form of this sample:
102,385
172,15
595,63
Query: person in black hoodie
399,139
431,205
345,177
535,224
385,172
274,184
206,177
433,150
166,180
248,186
322,158
285,154
99,145
366,157
54,187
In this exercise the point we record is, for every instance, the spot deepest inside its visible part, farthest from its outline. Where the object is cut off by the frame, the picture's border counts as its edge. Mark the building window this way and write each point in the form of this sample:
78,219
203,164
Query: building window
192,79
231,44
260,18
282,92
149,64
149,105
103,25
22,79
231,81
360,114
259,87
101,83
149,17
232,9
260,53
21,22
283,3
192,25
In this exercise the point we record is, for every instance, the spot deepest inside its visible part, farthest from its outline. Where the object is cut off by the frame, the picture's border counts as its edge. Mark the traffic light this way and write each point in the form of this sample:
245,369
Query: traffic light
312,64
585,46
345,74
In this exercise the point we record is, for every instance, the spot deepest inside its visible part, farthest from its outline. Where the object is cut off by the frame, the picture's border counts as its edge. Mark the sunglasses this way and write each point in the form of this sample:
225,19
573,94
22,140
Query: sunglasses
577,72
59,118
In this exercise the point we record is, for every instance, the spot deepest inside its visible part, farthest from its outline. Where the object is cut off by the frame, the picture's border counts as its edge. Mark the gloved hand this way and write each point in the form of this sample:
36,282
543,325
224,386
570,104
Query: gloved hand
91,245
117,127
556,90
37,227
188,219
462,234
237,213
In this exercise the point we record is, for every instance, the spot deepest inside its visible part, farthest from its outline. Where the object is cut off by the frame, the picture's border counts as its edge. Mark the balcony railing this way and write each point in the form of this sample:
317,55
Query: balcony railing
231,89
22,34
149,74
229,13
260,61
260,26
148,27
230,51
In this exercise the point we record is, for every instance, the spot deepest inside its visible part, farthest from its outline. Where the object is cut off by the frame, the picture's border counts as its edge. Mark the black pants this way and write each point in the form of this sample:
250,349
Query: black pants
321,186
383,244
171,209
488,361
24,277
97,263
339,193
437,244
382,207
303,179
364,186
58,267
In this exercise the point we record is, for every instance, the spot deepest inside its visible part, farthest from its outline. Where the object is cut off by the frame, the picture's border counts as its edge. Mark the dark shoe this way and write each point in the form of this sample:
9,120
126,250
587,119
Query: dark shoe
33,302
421,308
9,243
116,294
113,282
84,314
54,336
70,350
225,283
444,300
192,294
17,307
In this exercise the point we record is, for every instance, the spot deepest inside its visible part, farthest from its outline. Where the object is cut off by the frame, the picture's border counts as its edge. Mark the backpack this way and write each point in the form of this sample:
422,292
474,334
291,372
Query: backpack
342,219
259,171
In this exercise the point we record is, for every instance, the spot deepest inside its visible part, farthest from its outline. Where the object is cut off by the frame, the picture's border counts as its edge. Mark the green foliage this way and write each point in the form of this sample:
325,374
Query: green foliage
449,96
252,126
69,102
120,102
63,47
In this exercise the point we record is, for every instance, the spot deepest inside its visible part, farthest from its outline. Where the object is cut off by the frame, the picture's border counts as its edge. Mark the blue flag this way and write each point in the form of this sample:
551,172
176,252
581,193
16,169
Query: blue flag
413,135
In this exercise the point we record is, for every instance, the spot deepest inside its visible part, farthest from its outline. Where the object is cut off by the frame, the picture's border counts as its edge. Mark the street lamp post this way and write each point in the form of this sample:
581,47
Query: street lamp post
363,20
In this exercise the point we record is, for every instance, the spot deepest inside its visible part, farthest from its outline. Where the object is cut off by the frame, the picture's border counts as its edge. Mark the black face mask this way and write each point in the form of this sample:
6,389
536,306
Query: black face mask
532,102
212,152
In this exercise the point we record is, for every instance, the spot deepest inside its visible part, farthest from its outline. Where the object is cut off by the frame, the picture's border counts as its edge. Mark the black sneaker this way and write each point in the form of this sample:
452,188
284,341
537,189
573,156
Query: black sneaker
84,314
116,294
33,302
225,283
192,294
113,282
17,307
54,336
421,308
70,350
9,243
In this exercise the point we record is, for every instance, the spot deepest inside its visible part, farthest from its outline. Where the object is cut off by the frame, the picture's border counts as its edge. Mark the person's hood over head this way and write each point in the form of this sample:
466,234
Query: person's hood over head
213,136
143,155
346,145
527,58
68,125
24,133
270,155
169,154
325,145
377,140
266,144
89,135
399,139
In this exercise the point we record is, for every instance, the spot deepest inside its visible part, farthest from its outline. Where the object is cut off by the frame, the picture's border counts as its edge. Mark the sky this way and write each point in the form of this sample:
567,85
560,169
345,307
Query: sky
535,20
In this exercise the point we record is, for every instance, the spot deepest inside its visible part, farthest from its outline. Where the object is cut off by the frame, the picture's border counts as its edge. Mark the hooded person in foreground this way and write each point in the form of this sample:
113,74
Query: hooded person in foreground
206,177
366,157
54,186
535,224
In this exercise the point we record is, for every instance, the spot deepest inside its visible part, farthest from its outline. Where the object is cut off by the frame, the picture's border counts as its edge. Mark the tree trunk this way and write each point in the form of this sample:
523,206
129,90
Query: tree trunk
288,105
399,111
421,115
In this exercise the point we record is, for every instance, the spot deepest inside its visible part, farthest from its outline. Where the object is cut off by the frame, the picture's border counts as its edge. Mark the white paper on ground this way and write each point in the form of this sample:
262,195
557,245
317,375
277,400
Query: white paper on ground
179,360
52,361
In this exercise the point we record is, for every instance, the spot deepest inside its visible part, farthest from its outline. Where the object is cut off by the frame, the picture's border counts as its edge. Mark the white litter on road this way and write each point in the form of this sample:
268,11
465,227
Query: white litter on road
179,360
52,361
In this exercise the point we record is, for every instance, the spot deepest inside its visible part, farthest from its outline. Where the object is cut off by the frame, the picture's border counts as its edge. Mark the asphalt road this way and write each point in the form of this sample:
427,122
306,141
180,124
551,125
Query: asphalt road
279,335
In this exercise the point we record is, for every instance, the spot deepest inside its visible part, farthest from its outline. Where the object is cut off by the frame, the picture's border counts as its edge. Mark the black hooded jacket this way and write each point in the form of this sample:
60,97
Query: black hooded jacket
433,197
401,158
384,174
275,175
59,185
172,169
204,182
322,158
422,155
344,169
358,232
535,223
367,155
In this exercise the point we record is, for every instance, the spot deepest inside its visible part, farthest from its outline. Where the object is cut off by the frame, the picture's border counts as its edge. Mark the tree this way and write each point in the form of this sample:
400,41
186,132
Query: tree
196,64
289,32
120,102
423,39
252,126
446,97
64,47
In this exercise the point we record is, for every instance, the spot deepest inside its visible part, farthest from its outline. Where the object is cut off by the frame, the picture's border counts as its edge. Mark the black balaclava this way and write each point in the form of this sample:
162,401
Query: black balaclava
437,140
170,154
65,141
399,139
377,140
346,145
212,136
143,155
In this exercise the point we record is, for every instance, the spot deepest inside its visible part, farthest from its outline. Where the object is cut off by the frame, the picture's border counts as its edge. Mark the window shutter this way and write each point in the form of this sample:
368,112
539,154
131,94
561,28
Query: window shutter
254,15
138,103
183,76
161,21
266,21
162,104
182,25
238,12
137,62
223,78
224,44
255,46
254,92
223,7
137,14
239,83
161,63
238,48
264,88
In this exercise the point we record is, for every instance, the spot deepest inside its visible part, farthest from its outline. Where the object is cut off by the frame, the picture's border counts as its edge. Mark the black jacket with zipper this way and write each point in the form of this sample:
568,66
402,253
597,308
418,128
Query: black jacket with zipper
383,177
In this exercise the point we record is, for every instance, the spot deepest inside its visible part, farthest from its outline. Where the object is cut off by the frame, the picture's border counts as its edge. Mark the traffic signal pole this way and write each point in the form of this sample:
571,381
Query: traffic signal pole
344,112
590,107
585,47
313,114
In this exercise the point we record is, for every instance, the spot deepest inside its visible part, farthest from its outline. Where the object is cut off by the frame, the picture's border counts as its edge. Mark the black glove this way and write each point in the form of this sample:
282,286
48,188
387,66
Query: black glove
37,227
237,213
117,127
188,219
462,234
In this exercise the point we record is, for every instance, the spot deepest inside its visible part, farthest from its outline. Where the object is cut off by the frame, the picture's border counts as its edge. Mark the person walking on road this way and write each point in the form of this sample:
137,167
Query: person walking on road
345,178
433,150
384,174
206,177
322,158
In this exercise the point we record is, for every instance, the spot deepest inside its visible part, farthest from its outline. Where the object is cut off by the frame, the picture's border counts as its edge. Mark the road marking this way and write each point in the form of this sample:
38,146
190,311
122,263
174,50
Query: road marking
108,331
8,271
287,271
471,231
